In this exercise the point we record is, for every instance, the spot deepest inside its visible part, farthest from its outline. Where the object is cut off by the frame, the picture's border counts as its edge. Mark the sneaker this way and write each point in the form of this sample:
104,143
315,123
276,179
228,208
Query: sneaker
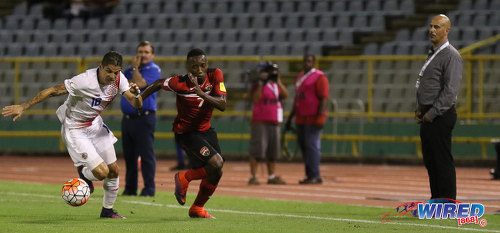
181,186
129,193
315,180
253,181
276,180
89,182
199,212
110,213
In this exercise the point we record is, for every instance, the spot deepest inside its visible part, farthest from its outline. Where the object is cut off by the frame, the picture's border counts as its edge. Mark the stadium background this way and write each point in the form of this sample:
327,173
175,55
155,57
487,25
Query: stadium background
371,51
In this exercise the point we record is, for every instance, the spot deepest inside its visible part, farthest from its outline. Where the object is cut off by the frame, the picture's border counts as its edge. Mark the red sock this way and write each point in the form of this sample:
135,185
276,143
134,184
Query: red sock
205,192
195,174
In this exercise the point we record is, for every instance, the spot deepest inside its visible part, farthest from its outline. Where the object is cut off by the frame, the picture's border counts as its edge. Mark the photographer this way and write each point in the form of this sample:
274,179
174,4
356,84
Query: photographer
267,115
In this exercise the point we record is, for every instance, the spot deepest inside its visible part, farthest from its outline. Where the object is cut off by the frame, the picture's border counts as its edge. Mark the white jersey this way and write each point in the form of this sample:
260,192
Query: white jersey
87,98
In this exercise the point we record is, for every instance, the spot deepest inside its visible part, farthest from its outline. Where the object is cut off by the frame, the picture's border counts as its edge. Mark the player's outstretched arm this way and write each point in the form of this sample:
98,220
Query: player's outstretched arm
154,87
17,110
133,96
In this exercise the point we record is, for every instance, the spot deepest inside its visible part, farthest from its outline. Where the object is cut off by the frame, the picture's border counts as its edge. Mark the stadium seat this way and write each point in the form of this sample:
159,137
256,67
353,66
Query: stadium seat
221,8
22,36
407,6
258,22
403,48
229,35
213,36
216,49
346,36
67,50
322,6
27,23
297,48
339,6
170,7
159,23
468,34
41,37
465,5
232,49
282,49
136,8
287,7
226,22
387,48
480,5
390,6
193,22
167,50
296,35
43,24
180,36
270,7
197,36
132,36
77,37
242,21
237,7
96,37
279,35
204,7
373,5
153,8
309,21
265,49
60,24
76,24
313,34
85,49
50,50
356,6
275,21
93,24
291,21
371,49
11,23
246,35
343,21
403,35
420,34
209,21
58,37
143,23
248,49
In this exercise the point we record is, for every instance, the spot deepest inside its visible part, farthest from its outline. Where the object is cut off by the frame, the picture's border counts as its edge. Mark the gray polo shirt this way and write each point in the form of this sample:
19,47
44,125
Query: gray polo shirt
440,82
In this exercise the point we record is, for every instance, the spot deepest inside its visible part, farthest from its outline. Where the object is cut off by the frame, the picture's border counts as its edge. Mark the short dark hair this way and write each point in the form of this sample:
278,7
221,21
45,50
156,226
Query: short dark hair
146,43
310,55
196,52
112,58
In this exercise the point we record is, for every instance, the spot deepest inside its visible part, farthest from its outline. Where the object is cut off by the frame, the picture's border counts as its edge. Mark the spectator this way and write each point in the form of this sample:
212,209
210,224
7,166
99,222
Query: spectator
181,165
437,86
267,116
198,93
495,172
309,109
138,126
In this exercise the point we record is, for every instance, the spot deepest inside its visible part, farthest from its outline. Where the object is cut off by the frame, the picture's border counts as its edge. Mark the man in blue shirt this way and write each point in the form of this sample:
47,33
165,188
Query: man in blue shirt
138,126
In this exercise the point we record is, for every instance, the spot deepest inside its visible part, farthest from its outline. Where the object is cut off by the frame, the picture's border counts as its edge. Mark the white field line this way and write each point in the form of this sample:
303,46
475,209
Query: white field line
275,215
314,217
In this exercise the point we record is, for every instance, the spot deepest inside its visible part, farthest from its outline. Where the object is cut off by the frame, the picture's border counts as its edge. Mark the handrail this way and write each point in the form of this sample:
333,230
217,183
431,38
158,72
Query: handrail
245,136
468,50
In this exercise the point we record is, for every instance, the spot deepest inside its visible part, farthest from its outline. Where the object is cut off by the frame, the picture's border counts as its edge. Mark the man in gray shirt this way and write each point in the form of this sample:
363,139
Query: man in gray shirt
437,90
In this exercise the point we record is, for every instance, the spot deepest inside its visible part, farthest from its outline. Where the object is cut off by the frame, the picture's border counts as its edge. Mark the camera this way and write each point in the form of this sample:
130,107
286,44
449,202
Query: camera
272,70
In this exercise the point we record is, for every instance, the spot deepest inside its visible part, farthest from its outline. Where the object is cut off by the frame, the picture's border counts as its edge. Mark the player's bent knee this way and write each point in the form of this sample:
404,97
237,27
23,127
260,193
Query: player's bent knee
113,170
101,171
217,162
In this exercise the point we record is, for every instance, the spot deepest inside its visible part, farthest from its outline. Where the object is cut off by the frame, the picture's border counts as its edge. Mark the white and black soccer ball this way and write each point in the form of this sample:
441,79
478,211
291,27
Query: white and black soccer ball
75,192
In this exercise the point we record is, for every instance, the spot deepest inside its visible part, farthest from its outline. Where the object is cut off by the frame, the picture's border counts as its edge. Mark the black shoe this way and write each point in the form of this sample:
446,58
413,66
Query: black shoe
315,180
494,175
89,182
147,193
110,213
129,193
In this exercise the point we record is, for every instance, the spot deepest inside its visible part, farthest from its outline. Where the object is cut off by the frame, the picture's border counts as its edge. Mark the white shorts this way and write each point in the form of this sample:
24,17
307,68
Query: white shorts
86,145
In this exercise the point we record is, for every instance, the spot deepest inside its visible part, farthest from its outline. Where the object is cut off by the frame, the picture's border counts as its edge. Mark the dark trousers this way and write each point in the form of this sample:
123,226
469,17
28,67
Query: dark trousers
310,145
436,150
138,139
497,150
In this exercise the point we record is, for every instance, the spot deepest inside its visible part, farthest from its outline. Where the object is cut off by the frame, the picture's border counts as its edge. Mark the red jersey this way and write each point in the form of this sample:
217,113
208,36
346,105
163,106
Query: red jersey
193,113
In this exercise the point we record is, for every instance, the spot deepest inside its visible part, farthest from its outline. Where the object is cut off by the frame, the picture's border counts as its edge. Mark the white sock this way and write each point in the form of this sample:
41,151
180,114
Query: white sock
271,176
111,186
88,174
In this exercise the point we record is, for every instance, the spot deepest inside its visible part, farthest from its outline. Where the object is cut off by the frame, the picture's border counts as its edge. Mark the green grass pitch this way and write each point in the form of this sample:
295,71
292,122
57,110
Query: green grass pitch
27,207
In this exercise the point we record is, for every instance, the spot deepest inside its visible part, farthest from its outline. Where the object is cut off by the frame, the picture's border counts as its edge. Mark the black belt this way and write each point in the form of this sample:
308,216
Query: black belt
139,114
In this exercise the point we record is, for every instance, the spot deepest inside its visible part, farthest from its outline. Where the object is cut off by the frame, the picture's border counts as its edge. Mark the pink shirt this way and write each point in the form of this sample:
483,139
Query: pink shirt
268,109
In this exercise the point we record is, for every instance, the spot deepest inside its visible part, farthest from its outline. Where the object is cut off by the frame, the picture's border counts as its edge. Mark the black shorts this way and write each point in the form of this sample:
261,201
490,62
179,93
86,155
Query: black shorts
199,146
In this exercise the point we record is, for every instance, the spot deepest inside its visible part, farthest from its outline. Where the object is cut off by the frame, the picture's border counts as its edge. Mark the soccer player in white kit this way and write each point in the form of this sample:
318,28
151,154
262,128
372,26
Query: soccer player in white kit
88,140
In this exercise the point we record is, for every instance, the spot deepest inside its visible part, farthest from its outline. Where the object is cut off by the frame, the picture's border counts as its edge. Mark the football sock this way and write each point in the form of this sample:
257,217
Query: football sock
195,174
205,192
271,176
88,174
110,186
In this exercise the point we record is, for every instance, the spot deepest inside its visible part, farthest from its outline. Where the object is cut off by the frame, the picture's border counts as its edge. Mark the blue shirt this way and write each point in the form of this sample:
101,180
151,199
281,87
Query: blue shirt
150,72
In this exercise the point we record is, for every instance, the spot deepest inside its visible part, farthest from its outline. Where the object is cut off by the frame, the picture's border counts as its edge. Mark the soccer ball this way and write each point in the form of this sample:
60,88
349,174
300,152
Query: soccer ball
75,192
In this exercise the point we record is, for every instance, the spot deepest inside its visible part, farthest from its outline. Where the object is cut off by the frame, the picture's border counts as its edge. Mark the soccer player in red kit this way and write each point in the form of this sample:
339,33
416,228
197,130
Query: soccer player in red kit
198,92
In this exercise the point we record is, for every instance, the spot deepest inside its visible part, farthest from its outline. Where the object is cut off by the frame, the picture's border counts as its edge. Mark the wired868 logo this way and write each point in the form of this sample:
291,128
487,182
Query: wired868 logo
464,213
